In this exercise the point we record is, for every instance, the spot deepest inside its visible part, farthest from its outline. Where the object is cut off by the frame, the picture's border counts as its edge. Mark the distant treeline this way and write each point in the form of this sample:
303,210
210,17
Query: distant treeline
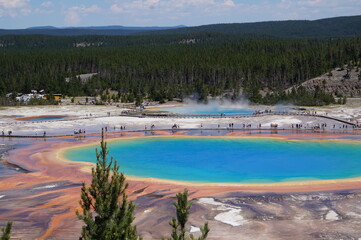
167,67
329,27
336,27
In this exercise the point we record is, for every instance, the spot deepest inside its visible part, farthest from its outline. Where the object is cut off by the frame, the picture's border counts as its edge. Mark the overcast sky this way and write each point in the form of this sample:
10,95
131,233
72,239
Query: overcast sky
63,13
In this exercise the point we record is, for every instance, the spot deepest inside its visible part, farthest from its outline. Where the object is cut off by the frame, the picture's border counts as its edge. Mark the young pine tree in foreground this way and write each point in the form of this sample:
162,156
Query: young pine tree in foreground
6,231
178,225
106,212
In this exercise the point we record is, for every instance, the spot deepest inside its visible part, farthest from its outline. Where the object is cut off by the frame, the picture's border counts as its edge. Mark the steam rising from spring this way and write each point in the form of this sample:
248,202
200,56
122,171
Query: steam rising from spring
219,106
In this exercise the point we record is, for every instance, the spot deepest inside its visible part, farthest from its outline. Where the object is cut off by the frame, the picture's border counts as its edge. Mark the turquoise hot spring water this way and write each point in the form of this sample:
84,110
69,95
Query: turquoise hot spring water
231,160
208,110
45,118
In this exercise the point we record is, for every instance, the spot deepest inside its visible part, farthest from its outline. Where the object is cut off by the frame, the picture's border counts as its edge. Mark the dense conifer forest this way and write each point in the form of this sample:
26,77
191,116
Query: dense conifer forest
164,67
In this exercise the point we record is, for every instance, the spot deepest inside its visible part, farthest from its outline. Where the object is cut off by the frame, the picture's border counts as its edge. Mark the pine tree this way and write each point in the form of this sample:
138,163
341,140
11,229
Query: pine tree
178,225
6,231
106,211
344,100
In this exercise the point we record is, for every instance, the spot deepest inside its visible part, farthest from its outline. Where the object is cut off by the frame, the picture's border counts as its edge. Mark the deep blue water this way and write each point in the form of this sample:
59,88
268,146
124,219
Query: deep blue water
231,159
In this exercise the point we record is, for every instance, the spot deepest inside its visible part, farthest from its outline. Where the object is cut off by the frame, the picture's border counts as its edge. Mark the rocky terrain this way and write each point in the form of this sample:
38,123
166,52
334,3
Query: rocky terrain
247,215
337,82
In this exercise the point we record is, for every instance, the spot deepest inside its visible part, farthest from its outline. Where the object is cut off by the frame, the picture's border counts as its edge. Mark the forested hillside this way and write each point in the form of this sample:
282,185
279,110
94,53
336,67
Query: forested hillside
161,68
330,27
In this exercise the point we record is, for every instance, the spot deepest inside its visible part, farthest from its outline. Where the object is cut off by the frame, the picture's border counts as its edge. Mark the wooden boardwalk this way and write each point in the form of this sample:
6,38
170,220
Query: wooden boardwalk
184,116
236,115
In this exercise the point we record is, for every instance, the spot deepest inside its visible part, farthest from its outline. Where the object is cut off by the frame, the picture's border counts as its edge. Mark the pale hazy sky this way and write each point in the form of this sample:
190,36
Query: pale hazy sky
63,13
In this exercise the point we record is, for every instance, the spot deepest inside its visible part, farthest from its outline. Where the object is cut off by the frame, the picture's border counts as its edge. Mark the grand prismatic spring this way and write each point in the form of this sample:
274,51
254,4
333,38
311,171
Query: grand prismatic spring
303,182
233,160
